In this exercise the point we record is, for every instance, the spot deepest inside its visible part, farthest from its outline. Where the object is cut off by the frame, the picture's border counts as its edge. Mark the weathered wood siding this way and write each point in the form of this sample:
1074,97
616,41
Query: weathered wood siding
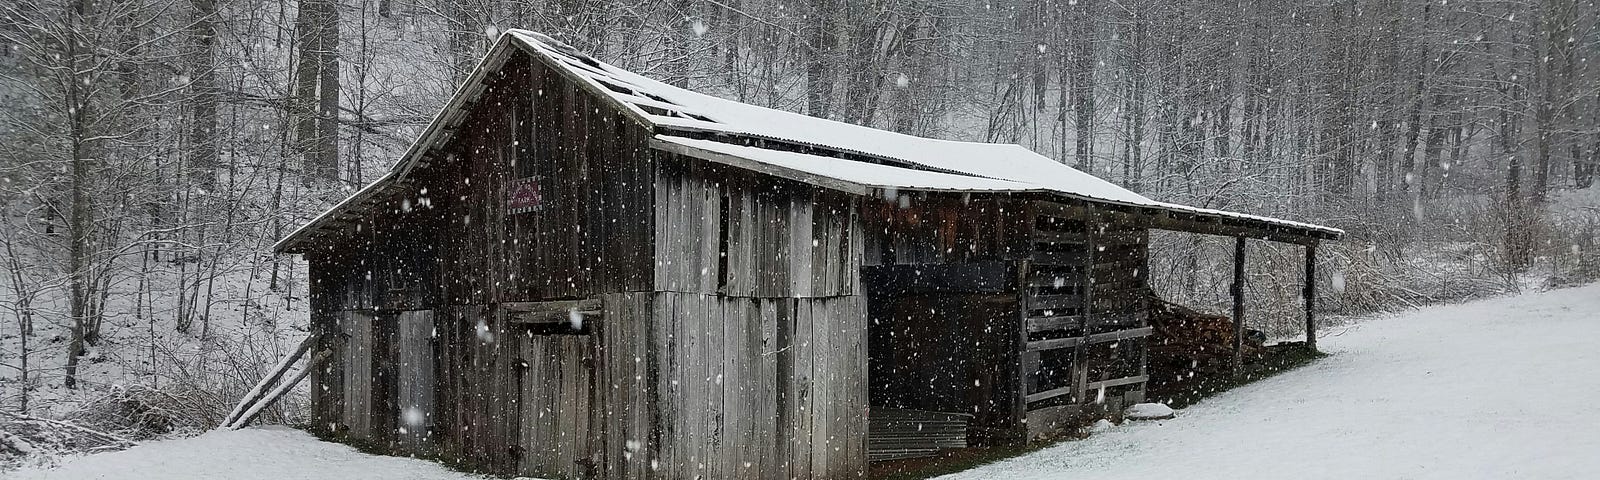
757,340
559,434
758,387
1085,315
729,231
590,231
1121,268
1047,295
410,294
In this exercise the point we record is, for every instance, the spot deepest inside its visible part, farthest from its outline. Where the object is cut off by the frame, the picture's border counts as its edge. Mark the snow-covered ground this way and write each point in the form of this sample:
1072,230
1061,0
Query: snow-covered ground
269,453
1499,388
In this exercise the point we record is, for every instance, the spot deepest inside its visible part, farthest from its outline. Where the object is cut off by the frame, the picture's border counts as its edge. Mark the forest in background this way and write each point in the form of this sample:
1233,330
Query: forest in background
155,149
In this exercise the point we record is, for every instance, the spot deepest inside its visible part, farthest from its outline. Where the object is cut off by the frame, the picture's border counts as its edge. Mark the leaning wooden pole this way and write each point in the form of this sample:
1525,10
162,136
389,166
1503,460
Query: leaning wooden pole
283,388
266,383
1238,303
1311,296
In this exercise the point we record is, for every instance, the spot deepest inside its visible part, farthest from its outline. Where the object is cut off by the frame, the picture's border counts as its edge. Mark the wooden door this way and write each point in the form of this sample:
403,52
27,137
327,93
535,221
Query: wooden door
357,361
414,352
559,425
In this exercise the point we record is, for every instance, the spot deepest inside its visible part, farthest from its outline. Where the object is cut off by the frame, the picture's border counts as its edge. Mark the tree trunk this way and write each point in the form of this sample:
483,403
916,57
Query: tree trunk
328,89
203,88
79,226
1081,64
1430,158
317,89
819,52
1338,158
1136,110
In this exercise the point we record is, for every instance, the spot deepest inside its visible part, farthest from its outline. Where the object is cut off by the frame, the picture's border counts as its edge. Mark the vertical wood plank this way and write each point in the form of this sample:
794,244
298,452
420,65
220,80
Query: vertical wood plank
822,384
662,240
529,381
643,445
770,433
802,385
800,245
416,382
358,375
668,417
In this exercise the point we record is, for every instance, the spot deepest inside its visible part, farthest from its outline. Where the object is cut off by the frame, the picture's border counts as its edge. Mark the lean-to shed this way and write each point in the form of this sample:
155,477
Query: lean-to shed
577,271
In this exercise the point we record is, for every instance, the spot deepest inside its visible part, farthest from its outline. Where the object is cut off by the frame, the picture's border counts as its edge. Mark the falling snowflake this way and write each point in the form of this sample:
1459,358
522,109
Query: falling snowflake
483,332
413,418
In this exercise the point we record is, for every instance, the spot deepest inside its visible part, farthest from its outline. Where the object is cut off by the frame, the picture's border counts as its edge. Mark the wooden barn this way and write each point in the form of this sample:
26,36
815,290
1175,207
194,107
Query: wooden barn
580,272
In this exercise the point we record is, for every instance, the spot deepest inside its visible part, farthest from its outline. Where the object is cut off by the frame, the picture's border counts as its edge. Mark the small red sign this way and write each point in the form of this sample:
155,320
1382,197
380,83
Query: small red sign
523,196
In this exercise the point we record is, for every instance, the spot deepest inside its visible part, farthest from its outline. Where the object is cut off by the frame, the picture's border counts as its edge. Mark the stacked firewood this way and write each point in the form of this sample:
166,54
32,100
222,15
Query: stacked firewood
1187,342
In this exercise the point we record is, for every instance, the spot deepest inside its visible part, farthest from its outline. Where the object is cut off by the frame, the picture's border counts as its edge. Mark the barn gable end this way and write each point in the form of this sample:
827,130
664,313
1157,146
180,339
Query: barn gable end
435,299
443,253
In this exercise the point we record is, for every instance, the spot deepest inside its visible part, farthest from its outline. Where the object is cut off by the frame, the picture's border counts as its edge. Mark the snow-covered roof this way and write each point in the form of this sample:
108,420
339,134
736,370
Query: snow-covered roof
847,173
866,157
967,166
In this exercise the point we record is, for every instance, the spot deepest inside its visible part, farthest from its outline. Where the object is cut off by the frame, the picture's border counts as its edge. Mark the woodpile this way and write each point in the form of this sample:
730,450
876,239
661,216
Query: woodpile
897,433
1186,342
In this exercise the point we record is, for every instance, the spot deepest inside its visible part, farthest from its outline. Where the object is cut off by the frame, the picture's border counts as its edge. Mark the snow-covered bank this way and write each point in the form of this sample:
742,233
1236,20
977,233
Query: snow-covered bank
1500,388
1497,388
270,453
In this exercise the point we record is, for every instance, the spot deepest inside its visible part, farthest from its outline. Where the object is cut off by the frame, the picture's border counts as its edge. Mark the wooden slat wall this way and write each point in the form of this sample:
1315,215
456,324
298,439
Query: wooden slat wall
1120,268
625,390
1085,284
1120,303
593,231
477,399
401,276
782,239
759,388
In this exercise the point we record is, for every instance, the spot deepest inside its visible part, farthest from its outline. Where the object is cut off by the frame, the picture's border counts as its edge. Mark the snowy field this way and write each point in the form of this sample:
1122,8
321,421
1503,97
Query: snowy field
1491,389
1500,388
268,453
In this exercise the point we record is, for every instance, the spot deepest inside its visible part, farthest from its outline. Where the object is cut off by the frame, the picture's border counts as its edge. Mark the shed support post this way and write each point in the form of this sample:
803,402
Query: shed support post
1080,366
1311,296
1238,302
1027,364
